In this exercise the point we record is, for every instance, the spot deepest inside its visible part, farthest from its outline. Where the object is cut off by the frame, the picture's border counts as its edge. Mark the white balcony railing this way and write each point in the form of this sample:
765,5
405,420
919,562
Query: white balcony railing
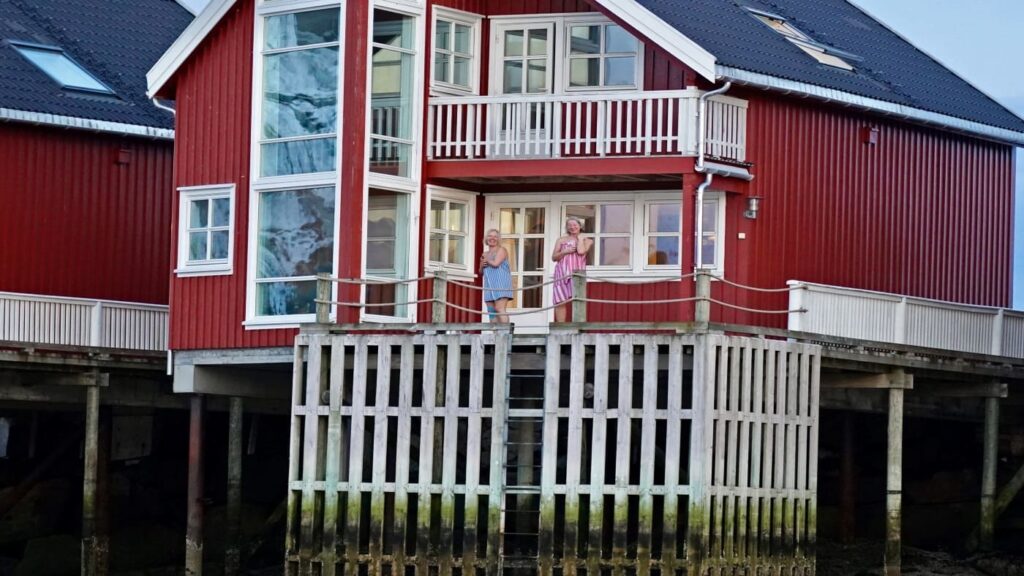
661,123
884,317
36,319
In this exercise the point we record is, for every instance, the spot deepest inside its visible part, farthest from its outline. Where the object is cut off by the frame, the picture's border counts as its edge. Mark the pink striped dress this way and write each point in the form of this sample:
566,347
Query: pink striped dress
564,268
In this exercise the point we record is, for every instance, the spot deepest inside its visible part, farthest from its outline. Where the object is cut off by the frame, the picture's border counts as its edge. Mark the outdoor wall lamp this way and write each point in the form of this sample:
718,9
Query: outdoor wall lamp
753,207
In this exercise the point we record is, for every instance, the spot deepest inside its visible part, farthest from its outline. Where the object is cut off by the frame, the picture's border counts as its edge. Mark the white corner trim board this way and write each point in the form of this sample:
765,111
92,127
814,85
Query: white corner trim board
85,124
187,42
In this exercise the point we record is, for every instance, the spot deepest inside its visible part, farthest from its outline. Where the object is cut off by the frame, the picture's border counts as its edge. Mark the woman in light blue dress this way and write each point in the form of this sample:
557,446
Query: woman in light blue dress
497,277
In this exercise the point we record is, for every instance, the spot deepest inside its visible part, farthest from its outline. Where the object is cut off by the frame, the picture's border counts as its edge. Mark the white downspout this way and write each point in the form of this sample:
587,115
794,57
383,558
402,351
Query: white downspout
702,121
157,103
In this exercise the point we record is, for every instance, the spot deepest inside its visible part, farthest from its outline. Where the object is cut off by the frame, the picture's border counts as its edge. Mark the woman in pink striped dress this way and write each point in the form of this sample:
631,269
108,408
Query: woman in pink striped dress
570,255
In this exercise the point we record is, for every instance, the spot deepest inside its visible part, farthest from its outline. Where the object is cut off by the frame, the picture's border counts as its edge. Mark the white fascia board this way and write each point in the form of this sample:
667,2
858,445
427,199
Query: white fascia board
85,124
193,6
663,35
901,111
186,43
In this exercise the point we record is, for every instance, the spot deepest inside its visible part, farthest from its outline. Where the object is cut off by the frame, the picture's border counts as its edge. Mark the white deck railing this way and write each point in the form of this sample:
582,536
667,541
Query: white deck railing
660,123
884,317
36,319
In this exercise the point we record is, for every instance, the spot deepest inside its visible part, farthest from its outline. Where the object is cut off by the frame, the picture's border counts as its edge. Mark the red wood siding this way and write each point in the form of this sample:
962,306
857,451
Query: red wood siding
923,212
84,214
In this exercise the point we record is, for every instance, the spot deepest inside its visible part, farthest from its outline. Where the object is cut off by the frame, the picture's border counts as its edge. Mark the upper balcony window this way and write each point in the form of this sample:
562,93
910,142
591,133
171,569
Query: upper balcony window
393,72
812,48
299,116
56,64
601,56
456,45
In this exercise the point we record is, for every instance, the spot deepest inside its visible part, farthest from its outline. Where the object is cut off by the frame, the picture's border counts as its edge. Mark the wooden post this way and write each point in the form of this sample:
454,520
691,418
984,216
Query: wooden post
95,543
847,484
232,551
894,477
702,306
579,296
323,297
988,474
194,521
439,310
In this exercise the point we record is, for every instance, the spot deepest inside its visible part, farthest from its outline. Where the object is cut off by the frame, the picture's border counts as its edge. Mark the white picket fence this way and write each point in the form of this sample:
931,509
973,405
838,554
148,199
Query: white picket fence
658,123
884,317
37,319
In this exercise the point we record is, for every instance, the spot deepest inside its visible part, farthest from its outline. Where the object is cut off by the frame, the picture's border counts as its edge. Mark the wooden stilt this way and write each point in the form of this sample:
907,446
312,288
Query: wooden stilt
232,550
988,474
847,484
894,477
95,539
194,522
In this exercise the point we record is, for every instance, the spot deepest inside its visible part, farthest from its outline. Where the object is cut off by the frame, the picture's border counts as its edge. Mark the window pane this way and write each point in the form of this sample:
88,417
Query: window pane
278,298
533,296
663,218
388,157
391,102
707,250
513,78
537,77
533,254
301,29
221,211
514,43
585,40
61,68
437,214
663,250
298,157
197,246
509,221
295,233
617,218
436,248
463,39
443,35
534,221
199,214
710,216
460,72
387,230
615,251
393,29
457,217
585,214
620,71
380,257
441,61
300,93
538,43
219,245
511,245
618,40
456,250
584,72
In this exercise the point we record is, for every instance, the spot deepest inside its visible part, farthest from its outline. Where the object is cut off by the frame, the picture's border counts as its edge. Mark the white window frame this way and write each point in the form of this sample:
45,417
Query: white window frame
468,199
648,234
260,184
212,267
718,268
560,50
798,38
568,57
413,257
454,17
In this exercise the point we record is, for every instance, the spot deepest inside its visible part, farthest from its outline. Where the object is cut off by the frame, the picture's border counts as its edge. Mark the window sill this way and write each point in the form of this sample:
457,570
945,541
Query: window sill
277,323
189,272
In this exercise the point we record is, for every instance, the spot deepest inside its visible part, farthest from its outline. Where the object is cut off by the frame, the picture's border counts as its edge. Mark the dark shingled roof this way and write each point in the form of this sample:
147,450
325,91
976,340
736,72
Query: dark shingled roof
889,68
117,41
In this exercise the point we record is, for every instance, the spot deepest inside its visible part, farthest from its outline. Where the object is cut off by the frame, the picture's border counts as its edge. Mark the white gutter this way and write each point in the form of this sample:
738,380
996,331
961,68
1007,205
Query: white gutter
156,102
909,113
44,119
702,121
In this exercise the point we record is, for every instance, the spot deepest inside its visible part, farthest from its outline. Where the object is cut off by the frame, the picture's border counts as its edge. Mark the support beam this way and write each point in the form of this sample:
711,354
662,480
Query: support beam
847,483
95,537
232,551
194,522
988,474
894,475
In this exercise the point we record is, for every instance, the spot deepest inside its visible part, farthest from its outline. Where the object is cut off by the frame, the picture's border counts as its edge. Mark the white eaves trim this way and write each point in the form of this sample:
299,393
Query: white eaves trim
986,131
193,6
186,43
85,124
663,35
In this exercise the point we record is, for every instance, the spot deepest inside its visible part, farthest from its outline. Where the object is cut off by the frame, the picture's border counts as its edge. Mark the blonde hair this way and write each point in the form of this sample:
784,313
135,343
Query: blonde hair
496,233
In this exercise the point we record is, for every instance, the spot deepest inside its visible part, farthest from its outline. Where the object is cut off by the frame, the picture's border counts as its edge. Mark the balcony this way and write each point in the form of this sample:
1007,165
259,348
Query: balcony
582,126
36,319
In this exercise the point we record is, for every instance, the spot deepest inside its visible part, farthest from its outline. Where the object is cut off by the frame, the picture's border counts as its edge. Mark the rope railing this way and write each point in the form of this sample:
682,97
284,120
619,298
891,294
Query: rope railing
440,304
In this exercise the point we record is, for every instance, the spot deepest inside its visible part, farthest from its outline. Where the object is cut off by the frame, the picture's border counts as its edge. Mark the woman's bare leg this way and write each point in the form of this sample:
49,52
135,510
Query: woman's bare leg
560,313
499,305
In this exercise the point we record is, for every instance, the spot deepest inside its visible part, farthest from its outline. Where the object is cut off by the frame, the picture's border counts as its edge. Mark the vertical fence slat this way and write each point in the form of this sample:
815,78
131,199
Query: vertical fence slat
622,437
355,463
380,451
549,458
573,456
473,444
403,444
647,457
451,443
598,437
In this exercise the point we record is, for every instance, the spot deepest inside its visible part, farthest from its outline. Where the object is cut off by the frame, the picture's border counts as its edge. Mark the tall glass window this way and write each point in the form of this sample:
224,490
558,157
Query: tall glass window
294,243
299,120
387,251
392,62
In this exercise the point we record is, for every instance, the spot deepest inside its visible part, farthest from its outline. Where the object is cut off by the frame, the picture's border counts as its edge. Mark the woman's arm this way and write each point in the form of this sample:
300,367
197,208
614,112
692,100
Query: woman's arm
500,255
557,254
583,245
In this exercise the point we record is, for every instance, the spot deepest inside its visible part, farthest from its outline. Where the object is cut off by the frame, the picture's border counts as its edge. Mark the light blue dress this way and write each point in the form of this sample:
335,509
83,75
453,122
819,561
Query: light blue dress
497,282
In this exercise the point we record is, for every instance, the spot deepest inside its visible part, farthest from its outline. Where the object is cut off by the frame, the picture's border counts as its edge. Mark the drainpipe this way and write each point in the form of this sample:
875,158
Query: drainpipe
702,121
157,103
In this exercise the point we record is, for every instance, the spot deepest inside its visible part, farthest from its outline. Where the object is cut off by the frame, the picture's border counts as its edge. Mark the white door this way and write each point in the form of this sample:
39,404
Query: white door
524,58
524,229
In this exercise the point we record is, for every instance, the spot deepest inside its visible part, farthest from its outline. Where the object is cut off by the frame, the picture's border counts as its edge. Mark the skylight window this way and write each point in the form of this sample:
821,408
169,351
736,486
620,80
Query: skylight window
62,69
802,41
